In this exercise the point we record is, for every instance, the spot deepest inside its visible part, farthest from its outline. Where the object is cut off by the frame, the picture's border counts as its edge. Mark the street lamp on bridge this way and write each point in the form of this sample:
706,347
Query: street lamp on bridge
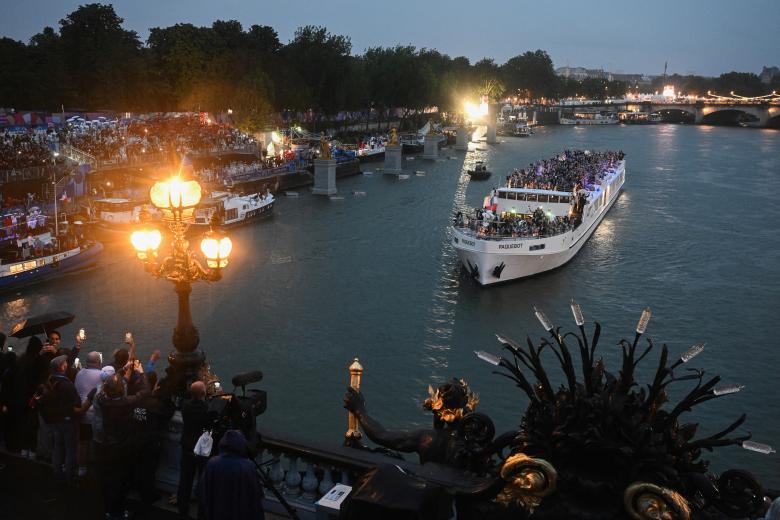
176,199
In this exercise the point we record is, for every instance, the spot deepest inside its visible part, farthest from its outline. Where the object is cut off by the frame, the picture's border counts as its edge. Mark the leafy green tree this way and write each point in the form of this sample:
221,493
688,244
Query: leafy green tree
102,60
532,74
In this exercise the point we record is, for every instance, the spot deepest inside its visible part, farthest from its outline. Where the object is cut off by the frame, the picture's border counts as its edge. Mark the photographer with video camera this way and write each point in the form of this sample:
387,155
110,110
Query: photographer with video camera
234,430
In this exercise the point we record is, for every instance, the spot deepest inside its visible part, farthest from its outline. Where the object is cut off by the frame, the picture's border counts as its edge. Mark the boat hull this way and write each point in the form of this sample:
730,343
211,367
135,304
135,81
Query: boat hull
85,259
260,213
495,261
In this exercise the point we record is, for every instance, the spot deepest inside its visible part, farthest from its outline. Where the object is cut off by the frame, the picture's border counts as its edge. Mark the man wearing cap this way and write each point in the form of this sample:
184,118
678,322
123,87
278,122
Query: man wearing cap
60,405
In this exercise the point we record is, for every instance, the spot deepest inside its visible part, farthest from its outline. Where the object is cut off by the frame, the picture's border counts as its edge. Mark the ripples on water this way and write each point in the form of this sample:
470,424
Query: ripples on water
693,236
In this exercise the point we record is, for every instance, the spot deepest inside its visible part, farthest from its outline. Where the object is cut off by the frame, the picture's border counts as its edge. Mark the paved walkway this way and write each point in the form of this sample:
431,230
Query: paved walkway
27,492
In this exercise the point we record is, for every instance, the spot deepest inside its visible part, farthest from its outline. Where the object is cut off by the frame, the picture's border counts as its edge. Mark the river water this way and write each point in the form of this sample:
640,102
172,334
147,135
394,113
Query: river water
693,236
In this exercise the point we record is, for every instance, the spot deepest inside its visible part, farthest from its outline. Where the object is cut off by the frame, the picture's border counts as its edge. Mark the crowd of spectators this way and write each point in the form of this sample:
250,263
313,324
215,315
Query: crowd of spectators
24,150
104,419
120,141
566,172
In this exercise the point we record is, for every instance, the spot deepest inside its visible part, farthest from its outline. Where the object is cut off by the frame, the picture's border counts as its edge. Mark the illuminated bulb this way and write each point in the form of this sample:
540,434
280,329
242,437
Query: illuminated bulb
175,193
576,310
146,241
547,324
490,358
728,389
758,447
692,352
216,249
641,327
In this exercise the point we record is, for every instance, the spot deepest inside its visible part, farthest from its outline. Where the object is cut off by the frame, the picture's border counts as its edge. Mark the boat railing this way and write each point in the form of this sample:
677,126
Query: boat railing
472,226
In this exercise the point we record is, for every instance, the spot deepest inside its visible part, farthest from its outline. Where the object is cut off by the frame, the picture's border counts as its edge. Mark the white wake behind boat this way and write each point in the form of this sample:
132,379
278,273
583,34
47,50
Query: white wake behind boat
507,252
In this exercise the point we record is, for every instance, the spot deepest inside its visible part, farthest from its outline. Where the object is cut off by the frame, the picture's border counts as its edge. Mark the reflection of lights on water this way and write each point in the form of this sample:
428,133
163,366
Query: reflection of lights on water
605,231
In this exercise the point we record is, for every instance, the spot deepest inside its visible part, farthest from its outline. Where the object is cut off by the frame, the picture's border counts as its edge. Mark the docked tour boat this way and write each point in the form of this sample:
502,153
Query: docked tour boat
225,209
590,118
16,274
480,172
522,130
527,231
116,218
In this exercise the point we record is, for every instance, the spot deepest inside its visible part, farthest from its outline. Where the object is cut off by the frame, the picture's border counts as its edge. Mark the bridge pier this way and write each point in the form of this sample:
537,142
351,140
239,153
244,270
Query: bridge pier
462,139
430,146
393,156
324,177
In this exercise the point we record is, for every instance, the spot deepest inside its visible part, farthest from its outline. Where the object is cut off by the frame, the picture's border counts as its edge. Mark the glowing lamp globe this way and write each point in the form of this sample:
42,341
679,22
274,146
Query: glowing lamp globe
216,248
146,242
175,193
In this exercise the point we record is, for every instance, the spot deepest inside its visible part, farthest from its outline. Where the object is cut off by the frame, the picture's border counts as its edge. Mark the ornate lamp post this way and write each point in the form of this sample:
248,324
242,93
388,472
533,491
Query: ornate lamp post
176,199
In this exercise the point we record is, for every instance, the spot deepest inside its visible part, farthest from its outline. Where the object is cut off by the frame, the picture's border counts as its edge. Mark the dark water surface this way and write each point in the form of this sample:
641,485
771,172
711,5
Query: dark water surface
694,236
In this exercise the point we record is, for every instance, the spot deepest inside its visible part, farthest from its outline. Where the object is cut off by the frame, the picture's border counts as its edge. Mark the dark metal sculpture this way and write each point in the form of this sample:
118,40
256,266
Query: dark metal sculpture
616,449
600,446
460,437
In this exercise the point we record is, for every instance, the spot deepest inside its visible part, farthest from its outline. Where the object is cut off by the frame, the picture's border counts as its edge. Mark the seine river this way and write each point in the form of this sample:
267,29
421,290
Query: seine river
694,236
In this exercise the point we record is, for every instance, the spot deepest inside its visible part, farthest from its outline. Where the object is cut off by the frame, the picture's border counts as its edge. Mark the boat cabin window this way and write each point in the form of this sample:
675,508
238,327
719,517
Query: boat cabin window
536,247
502,195
544,198
231,214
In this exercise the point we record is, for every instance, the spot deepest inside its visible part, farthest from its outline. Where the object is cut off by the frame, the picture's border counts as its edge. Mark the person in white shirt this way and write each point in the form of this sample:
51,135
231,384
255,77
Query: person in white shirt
87,379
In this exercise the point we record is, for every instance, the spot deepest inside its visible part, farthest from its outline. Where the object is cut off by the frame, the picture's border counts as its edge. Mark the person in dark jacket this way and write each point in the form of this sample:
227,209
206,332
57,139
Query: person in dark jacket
31,370
147,422
116,409
194,415
230,488
59,406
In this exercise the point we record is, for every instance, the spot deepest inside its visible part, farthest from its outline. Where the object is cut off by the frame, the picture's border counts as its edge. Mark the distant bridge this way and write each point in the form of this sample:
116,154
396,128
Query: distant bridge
765,113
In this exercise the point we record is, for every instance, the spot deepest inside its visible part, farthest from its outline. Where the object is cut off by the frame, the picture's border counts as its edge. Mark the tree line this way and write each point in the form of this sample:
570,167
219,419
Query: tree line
93,63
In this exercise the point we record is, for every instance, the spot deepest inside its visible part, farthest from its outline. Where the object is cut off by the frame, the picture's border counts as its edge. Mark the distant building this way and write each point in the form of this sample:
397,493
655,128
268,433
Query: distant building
580,73
768,73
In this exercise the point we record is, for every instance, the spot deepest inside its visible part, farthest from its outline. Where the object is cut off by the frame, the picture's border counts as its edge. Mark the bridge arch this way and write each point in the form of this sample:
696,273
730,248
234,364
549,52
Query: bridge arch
676,114
730,116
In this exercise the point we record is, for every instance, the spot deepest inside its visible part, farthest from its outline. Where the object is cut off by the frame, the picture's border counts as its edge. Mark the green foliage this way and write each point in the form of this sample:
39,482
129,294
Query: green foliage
92,62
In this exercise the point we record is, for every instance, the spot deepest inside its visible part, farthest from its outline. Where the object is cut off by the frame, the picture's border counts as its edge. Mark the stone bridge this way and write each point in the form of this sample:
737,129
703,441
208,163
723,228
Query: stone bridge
763,112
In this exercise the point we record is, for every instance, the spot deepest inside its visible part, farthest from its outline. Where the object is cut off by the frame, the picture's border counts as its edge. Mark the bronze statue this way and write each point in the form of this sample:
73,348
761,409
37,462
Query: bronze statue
324,147
393,137
459,437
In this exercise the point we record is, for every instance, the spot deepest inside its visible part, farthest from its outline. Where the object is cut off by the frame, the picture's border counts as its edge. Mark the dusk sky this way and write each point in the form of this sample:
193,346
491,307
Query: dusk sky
705,37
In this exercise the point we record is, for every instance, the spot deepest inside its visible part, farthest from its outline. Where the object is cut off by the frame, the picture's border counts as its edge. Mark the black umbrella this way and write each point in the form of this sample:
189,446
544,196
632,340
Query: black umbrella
41,324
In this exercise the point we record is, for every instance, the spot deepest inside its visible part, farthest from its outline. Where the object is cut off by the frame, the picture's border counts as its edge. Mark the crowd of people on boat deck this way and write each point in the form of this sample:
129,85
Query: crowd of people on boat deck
487,224
565,171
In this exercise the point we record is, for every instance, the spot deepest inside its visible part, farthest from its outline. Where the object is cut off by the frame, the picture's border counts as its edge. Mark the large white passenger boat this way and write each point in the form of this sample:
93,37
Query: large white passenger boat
523,231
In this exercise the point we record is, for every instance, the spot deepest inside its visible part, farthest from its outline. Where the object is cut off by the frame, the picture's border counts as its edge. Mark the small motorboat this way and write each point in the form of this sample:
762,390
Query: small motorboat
480,171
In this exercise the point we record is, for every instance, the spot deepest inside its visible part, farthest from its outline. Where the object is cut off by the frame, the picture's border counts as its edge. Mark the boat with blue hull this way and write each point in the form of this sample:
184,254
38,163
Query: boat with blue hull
19,274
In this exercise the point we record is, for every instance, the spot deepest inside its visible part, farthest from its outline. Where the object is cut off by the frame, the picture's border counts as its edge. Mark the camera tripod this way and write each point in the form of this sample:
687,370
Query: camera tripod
266,483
